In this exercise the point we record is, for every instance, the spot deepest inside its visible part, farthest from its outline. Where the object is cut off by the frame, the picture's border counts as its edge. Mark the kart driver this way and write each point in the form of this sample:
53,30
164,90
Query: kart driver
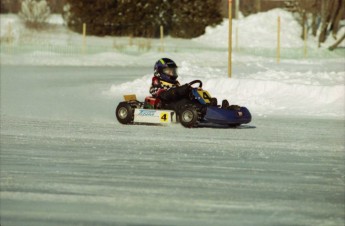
165,85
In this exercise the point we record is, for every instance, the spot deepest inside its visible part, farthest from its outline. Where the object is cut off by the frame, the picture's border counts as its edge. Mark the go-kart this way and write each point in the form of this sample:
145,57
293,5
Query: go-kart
197,110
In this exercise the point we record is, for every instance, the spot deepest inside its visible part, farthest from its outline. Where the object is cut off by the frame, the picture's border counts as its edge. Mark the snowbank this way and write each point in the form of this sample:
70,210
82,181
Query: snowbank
264,93
260,31
10,27
256,31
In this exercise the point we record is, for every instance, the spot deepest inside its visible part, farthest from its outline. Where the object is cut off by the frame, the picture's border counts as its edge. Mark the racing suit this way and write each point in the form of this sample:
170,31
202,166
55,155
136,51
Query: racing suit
170,92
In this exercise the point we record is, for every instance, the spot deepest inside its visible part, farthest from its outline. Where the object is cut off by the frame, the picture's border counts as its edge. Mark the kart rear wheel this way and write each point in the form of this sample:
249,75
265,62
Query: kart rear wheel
188,117
124,113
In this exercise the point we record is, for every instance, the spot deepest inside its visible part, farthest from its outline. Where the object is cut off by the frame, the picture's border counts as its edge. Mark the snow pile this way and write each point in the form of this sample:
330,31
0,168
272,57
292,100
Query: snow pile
55,19
264,93
260,31
256,31
10,27
276,97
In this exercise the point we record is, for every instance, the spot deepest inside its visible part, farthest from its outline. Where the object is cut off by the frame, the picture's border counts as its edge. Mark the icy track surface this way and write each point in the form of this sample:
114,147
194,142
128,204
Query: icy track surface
66,161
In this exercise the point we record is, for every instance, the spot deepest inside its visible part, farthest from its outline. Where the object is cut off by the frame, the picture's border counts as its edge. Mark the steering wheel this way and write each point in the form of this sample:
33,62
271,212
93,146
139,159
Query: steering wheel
194,82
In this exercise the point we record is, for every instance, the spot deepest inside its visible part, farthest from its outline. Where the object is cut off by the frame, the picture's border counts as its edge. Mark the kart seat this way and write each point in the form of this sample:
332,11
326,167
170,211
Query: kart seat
152,102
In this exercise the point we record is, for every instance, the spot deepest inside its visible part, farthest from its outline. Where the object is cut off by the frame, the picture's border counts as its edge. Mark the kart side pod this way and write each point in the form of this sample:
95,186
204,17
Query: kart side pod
154,116
131,111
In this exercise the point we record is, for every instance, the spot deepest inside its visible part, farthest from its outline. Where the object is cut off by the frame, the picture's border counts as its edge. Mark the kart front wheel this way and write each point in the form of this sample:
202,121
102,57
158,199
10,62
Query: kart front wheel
124,113
188,117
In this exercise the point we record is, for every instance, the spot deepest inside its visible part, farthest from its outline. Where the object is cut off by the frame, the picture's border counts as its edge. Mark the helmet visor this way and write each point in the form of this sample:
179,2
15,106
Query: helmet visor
170,71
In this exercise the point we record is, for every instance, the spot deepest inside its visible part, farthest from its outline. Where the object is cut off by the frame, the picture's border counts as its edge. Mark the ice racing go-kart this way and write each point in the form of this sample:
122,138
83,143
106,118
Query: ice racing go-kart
200,109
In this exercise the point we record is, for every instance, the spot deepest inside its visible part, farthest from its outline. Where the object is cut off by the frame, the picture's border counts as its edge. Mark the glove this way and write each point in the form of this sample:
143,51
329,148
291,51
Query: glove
183,91
176,93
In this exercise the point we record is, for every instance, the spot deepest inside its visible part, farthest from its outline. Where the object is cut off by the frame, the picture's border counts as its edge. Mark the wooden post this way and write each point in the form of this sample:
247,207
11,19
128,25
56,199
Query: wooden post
9,32
237,6
305,41
230,40
236,39
84,37
278,41
258,6
10,37
130,40
162,38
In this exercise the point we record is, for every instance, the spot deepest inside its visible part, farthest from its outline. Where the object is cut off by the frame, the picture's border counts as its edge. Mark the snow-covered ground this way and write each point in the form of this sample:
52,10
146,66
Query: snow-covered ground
65,160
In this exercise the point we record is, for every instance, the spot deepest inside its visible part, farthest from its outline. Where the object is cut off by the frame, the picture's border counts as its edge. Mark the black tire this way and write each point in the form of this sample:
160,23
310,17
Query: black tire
225,104
124,113
188,117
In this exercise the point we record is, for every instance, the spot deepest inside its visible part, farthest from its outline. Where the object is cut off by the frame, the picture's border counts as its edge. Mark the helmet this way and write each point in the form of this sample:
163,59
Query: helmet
166,69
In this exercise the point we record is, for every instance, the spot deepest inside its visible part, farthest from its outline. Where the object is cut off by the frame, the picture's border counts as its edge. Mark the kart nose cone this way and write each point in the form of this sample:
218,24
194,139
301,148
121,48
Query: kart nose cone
228,116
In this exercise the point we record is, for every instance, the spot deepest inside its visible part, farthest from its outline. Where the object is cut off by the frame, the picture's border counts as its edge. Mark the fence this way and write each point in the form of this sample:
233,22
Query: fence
71,44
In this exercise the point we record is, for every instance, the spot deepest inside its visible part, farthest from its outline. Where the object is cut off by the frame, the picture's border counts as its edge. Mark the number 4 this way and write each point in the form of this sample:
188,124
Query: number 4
205,96
164,117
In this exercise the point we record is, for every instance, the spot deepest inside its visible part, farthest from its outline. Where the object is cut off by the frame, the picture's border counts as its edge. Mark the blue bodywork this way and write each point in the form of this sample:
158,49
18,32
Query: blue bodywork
217,115
227,117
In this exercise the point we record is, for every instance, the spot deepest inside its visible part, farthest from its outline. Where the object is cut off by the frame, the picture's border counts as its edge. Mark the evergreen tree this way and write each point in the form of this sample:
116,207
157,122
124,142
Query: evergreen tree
191,17
141,18
3,8
117,17
91,12
181,18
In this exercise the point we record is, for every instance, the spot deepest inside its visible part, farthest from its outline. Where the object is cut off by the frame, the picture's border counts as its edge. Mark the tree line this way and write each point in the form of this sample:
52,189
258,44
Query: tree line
180,18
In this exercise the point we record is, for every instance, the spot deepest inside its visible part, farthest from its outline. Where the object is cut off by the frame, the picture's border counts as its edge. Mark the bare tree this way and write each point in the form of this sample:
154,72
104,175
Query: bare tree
332,11
332,47
331,18
34,13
